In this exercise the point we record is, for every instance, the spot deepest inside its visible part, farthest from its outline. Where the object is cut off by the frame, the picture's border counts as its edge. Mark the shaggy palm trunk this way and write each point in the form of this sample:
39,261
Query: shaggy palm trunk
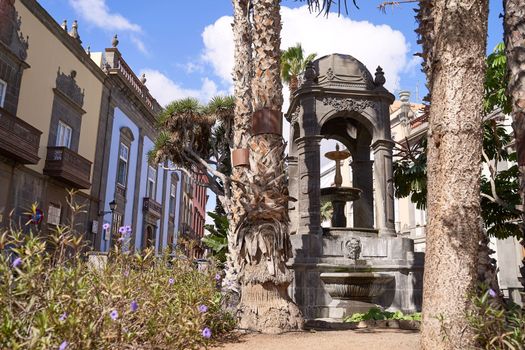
455,69
294,85
514,35
242,78
263,240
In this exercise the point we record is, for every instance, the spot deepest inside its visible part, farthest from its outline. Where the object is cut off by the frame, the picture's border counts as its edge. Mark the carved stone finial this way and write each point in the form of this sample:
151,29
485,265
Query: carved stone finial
64,25
309,74
88,51
106,67
143,78
74,31
114,42
380,77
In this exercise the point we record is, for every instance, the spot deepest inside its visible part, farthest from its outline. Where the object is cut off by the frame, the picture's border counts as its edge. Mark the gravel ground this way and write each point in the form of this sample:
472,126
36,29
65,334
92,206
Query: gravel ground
363,339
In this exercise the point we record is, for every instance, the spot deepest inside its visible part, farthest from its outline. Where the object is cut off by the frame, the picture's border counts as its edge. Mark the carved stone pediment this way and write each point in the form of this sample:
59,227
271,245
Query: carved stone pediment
67,85
349,104
10,33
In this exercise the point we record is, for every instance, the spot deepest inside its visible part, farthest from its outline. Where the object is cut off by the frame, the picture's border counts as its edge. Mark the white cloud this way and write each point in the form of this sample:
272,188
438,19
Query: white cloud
371,44
166,90
139,44
98,13
218,47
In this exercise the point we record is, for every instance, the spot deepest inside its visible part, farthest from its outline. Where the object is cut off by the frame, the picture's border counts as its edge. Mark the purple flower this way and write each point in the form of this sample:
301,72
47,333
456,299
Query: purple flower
17,262
492,293
217,277
105,226
122,229
171,281
203,308
126,273
134,306
113,314
63,317
206,333
128,229
63,346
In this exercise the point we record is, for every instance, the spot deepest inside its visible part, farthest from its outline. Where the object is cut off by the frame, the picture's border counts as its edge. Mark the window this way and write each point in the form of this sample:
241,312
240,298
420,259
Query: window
173,194
122,170
63,135
53,214
3,89
152,178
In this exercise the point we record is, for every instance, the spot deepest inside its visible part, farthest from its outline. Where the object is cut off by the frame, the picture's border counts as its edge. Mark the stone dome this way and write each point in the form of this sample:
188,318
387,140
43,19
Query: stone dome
344,71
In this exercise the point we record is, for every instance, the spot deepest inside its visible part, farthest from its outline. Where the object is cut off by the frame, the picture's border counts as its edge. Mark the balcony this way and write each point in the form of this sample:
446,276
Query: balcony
68,166
151,207
18,140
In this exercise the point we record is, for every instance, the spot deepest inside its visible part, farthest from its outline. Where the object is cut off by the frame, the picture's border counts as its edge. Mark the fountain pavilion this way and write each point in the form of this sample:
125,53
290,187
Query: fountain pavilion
340,270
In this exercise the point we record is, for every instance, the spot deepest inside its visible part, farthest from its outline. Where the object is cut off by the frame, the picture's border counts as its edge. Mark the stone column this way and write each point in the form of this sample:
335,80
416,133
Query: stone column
362,178
292,189
384,187
308,154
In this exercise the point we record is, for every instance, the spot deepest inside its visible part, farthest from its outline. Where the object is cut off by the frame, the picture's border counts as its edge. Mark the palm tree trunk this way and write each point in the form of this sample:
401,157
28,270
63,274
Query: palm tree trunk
455,66
264,243
514,36
242,78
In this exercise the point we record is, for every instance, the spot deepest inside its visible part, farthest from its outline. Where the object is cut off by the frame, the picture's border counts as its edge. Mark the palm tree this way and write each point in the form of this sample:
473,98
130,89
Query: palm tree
514,36
263,240
326,211
242,79
293,63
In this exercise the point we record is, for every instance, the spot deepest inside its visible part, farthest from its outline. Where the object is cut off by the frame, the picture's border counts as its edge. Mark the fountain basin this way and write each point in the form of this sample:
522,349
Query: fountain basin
340,194
359,286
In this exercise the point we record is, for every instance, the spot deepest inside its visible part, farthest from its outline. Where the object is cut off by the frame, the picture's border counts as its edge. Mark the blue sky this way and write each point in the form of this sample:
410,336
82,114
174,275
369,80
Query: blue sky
165,38
185,47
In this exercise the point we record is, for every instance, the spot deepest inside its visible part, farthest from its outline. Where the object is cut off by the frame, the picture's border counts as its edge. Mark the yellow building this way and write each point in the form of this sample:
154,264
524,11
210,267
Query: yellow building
50,114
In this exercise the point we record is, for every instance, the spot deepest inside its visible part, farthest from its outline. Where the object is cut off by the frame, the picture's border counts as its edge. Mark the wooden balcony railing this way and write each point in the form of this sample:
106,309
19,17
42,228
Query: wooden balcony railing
18,139
151,207
68,166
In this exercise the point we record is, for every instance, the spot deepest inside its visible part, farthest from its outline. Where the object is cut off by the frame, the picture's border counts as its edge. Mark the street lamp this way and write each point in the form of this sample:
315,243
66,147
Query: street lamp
112,208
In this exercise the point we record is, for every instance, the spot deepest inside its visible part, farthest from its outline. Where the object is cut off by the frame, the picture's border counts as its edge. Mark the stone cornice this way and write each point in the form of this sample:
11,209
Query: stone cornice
71,44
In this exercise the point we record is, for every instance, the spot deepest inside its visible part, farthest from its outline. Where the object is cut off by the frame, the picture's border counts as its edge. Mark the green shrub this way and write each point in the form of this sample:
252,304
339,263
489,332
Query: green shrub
497,325
51,297
376,313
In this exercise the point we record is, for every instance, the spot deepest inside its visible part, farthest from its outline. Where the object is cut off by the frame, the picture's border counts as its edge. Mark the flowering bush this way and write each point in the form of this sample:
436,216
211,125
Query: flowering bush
497,325
51,297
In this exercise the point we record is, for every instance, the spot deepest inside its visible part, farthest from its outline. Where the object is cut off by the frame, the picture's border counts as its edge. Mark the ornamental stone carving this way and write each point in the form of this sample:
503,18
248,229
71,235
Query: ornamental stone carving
293,118
10,34
352,248
349,104
68,86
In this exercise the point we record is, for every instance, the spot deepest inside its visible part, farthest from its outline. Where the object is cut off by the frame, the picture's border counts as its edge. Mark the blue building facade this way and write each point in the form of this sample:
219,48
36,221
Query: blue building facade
133,192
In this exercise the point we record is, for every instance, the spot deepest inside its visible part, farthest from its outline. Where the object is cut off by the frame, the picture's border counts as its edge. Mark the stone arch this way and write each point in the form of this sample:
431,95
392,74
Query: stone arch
339,92
127,133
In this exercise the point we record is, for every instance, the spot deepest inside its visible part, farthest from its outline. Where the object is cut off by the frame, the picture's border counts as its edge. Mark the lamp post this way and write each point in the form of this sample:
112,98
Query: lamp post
112,208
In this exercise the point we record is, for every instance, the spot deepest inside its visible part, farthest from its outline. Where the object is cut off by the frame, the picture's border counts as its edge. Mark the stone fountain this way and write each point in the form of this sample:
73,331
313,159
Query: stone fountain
340,270
354,286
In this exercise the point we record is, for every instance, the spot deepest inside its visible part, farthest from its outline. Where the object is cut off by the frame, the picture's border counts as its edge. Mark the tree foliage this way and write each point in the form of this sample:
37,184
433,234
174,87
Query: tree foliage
293,62
198,137
499,189
217,240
